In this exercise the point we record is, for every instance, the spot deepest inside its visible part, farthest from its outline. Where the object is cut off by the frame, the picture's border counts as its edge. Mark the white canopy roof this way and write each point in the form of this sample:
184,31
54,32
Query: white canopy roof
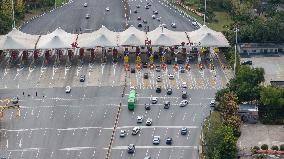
58,39
102,37
18,40
164,37
207,37
132,37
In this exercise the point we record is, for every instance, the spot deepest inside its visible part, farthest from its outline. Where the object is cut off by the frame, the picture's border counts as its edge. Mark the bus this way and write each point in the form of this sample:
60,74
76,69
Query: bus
132,99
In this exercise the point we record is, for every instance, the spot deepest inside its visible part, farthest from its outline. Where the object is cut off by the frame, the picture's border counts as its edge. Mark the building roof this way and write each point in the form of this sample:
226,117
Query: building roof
260,45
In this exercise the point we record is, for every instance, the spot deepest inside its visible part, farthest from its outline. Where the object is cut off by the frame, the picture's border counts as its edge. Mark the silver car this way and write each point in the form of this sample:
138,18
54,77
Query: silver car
156,140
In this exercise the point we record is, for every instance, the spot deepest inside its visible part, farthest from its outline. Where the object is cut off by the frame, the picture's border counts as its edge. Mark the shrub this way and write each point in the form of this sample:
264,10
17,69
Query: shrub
275,147
282,147
256,148
264,147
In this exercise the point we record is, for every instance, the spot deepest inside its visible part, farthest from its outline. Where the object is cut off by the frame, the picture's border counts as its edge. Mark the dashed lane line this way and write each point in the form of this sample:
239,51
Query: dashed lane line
155,147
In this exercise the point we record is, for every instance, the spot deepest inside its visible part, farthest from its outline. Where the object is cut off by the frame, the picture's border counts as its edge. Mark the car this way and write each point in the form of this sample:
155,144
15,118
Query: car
145,21
87,16
153,17
145,64
183,103
107,8
135,11
146,7
169,62
67,89
122,133
164,25
85,4
180,61
139,18
149,122
154,100
147,107
82,78
159,79
212,103
135,130
131,148
146,76
169,91
183,131
167,104
194,23
171,76
137,6
158,69
173,25
149,4
158,89
169,141
249,62
147,157
184,95
15,100
182,70
155,12
132,70
139,119
139,25
159,19
156,140
183,85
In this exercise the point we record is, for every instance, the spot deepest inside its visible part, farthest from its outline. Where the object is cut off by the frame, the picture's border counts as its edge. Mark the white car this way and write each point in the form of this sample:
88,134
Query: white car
164,25
136,130
183,103
122,133
153,16
67,89
85,4
194,23
87,16
107,8
159,79
139,119
171,76
184,85
156,140
212,103
149,122
154,100
173,25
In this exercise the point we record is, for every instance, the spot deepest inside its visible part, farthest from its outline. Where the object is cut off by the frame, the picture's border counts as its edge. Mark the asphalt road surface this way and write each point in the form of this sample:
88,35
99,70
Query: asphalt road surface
71,17
54,124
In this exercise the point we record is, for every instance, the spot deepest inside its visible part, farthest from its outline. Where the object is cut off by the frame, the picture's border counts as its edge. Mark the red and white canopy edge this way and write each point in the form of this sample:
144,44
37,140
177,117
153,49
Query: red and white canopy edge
132,37
17,40
58,39
102,37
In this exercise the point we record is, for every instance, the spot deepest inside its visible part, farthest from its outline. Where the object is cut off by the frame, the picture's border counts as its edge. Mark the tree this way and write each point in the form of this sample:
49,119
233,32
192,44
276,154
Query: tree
19,8
6,7
5,23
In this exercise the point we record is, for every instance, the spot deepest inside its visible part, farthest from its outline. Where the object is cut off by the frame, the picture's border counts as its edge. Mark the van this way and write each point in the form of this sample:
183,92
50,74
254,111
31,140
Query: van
135,130
184,95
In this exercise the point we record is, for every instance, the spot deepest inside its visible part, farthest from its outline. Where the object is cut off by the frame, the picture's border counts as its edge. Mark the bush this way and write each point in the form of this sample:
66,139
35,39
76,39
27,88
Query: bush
256,148
275,147
282,147
264,147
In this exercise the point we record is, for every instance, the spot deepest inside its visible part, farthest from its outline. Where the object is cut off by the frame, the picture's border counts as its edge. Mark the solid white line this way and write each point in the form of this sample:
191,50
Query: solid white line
154,147
76,148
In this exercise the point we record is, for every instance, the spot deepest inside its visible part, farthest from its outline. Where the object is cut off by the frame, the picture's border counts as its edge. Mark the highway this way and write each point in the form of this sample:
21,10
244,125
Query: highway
71,17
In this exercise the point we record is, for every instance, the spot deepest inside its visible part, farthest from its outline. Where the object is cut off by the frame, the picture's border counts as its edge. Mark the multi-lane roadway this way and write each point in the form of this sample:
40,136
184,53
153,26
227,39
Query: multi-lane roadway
71,17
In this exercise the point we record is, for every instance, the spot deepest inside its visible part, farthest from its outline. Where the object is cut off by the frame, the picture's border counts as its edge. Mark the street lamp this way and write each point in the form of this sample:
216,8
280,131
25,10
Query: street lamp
204,12
13,15
236,38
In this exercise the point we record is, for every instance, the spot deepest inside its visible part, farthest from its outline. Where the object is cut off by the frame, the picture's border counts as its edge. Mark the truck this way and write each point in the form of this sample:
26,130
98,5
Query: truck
132,100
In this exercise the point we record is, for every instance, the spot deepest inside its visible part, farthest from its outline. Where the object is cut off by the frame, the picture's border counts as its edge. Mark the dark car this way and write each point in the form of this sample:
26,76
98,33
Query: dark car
182,70
147,7
135,11
146,75
169,91
183,131
145,64
82,78
167,104
159,89
147,107
139,25
138,18
169,62
169,141
158,69
184,95
131,148
249,62
145,21
132,70
138,6
180,61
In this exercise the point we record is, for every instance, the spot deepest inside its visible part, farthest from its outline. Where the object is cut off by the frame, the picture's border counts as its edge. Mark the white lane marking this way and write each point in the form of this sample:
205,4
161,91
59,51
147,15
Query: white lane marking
26,149
154,147
20,142
7,143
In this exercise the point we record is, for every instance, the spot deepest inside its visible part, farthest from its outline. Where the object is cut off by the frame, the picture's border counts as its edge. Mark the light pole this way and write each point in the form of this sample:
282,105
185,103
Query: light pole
236,38
13,15
204,12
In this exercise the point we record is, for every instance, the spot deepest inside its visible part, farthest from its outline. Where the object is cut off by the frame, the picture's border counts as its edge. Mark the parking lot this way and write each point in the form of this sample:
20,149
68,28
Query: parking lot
53,124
